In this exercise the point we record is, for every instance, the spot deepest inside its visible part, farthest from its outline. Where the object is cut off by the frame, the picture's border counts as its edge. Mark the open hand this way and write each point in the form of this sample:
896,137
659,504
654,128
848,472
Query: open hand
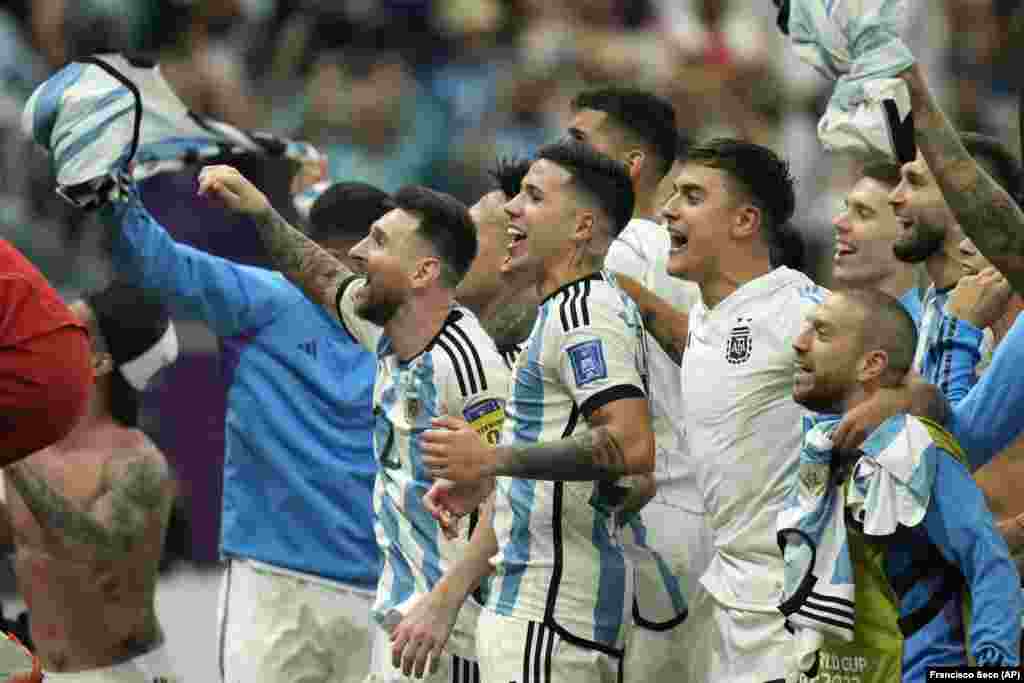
421,636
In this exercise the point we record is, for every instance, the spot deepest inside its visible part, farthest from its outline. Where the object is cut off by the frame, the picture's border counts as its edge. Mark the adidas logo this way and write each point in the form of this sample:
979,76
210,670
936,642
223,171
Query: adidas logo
309,347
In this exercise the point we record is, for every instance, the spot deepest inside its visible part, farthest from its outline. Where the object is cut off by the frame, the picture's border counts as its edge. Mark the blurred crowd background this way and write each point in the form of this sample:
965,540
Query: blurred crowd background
414,91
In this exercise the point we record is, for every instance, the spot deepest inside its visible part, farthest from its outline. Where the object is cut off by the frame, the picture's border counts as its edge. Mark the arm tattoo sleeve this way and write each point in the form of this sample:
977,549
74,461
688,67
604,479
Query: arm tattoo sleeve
593,455
132,498
988,215
312,268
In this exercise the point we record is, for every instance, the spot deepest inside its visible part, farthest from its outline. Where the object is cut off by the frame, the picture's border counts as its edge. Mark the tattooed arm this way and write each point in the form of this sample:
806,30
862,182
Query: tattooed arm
139,491
619,443
989,216
668,326
311,268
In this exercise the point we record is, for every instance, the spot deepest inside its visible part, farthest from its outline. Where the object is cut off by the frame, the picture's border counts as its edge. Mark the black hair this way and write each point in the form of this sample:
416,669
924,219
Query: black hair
762,176
130,321
997,160
885,172
650,118
603,178
446,224
508,175
347,210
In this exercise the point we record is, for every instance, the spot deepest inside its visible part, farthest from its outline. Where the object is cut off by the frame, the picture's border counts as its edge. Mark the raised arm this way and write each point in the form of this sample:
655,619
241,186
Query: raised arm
989,216
228,297
139,493
311,268
668,326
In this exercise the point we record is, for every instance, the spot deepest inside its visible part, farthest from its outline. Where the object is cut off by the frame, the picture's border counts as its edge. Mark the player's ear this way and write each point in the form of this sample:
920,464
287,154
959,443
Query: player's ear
102,363
746,222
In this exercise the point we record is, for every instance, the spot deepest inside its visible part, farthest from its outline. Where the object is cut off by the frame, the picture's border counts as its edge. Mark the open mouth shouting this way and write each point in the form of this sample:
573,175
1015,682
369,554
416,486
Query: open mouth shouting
679,239
516,244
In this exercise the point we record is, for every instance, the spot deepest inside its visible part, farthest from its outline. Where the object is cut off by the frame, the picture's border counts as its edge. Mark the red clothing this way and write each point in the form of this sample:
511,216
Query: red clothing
45,360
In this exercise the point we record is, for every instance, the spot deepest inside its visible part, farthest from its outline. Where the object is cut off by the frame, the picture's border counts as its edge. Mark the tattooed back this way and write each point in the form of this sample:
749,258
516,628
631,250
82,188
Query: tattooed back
89,516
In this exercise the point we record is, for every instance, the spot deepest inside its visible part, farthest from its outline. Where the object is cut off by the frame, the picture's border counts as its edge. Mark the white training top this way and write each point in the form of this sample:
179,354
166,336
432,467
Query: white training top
744,428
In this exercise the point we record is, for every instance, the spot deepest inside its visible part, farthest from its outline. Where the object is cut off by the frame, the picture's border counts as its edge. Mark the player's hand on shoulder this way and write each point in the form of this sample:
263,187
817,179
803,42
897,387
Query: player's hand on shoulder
233,190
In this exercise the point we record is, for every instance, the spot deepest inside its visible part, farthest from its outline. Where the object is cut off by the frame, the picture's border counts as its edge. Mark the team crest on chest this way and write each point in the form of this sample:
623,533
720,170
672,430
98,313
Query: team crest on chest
738,345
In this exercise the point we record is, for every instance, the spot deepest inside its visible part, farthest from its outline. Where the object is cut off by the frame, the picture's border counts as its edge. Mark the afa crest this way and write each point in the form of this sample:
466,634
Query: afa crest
738,346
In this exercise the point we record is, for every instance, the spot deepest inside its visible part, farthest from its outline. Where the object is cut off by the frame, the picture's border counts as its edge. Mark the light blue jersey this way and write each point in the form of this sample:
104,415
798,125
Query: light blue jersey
560,560
459,373
298,464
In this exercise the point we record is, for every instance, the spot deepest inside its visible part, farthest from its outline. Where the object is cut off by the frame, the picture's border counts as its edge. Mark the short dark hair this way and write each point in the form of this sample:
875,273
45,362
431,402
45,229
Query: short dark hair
650,118
756,171
605,179
887,326
347,210
129,320
508,174
444,223
997,160
885,172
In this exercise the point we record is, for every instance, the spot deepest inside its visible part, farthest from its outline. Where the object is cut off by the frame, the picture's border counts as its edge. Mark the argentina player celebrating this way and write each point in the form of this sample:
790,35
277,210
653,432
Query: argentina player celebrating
433,359
560,605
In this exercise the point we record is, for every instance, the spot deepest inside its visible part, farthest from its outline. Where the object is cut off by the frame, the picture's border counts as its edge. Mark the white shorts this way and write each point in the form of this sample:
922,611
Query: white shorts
737,646
513,649
451,668
152,667
279,625
684,540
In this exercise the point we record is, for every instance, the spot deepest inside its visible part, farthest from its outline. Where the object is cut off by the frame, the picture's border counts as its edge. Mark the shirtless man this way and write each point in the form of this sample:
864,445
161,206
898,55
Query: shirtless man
89,513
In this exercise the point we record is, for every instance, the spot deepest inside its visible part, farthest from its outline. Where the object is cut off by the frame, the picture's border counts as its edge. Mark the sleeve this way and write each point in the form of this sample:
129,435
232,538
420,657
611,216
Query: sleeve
360,329
989,419
476,387
623,257
600,362
959,350
959,524
230,298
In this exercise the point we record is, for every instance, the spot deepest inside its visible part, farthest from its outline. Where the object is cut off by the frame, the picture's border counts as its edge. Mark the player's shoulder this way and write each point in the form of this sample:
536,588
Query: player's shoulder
464,349
587,302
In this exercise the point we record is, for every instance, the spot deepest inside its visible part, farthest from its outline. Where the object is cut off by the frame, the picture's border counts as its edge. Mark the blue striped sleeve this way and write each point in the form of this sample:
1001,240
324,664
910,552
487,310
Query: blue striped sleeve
957,356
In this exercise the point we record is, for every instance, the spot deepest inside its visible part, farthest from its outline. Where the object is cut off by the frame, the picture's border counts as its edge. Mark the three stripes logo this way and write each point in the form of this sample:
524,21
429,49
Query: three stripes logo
309,347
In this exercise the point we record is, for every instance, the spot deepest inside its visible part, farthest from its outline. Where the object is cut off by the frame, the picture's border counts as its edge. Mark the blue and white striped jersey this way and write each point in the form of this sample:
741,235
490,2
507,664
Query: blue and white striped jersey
459,373
560,560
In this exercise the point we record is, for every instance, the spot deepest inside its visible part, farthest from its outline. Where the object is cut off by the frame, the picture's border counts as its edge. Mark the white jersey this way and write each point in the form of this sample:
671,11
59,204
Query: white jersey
641,252
459,373
560,561
744,428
